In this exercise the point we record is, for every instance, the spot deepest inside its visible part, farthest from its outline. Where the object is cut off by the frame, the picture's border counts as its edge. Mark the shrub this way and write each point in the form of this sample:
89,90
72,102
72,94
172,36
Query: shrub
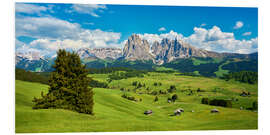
128,97
156,99
162,92
200,90
255,105
172,89
174,97
154,93
205,101
134,83
139,85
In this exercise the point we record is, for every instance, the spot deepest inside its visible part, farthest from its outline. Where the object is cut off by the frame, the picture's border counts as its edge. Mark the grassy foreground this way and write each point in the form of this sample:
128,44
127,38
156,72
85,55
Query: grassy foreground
114,113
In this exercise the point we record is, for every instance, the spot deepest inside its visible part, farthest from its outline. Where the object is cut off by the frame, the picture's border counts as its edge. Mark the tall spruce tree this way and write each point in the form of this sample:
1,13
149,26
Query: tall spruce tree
68,86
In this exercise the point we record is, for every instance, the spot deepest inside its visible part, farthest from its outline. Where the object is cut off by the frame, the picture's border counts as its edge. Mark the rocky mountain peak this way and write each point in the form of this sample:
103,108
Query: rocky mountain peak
161,52
30,55
137,49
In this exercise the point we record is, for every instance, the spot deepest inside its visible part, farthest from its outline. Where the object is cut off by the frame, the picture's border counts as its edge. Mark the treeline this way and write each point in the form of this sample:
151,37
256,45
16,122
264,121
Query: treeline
126,74
188,74
248,65
187,66
107,70
139,65
97,84
43,77
243,76
21,74
217,102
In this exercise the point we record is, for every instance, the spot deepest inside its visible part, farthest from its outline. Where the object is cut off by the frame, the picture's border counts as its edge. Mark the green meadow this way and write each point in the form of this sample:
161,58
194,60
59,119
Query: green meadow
115,113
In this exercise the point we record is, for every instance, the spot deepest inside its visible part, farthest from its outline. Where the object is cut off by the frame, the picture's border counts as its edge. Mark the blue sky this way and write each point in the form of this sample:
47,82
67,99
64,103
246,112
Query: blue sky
44,28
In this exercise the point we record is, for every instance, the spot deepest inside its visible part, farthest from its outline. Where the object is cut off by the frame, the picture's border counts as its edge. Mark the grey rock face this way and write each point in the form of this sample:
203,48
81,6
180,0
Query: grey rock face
162,52
137,49
101,53
169,50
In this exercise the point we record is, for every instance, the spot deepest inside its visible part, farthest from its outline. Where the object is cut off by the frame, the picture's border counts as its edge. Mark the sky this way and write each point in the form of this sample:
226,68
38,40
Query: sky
45,28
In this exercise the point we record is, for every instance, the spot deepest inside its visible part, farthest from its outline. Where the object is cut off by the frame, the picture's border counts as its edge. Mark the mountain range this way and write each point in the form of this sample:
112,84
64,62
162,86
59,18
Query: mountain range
136,49
166,50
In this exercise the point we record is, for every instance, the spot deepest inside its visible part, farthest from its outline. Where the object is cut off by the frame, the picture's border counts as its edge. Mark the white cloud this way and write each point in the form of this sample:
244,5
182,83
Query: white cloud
89,23
215,40
53,34
46,27
162,29
203,24
89,9
151,38
238,25
18,43
247,33
29,8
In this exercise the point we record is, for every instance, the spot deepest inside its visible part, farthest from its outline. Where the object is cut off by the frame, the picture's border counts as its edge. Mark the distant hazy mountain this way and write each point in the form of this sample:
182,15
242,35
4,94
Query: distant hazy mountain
32,62
100,53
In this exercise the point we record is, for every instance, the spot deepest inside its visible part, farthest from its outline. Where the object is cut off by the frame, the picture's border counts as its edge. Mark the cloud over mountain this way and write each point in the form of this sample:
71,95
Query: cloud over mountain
52,34
213,39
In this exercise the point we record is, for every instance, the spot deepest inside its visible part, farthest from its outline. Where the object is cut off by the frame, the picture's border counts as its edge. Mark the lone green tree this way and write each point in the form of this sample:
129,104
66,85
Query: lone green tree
68,86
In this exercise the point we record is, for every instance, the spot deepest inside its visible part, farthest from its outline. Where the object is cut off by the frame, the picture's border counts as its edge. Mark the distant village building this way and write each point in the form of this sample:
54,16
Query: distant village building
148,112
214,111
178,111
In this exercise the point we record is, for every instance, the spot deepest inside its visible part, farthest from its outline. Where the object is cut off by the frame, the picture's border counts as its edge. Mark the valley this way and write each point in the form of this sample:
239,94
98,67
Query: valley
127,115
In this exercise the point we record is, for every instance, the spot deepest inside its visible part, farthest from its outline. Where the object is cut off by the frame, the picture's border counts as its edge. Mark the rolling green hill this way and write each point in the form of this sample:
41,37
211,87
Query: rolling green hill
114,113
210,67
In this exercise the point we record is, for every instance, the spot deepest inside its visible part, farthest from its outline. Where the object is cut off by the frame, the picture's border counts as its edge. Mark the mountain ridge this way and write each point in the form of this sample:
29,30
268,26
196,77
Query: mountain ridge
135,49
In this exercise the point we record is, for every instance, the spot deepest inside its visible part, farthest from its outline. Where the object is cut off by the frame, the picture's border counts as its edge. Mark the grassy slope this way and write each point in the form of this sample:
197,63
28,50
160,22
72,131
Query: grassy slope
113,113
221,71
197,62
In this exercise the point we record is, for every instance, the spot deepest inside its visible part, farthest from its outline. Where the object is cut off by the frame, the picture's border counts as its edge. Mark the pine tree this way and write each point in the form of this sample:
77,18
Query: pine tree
68,86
